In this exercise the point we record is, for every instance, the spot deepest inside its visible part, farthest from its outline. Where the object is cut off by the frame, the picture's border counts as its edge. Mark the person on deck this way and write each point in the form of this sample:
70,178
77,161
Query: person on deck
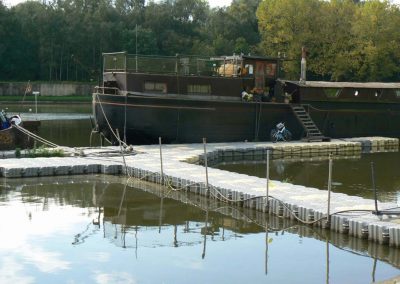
4,121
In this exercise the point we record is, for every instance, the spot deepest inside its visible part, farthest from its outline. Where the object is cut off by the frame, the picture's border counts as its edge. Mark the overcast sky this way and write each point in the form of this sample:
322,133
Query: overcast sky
213,3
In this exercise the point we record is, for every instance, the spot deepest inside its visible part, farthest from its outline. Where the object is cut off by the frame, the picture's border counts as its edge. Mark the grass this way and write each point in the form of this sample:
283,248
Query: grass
46,98
44,152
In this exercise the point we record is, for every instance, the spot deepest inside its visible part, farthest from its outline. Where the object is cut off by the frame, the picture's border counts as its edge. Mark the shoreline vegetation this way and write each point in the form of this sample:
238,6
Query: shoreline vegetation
46,99
345,40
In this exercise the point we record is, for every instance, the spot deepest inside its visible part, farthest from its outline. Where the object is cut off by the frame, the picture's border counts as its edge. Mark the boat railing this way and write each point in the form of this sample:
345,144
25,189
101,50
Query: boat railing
106,90
228,66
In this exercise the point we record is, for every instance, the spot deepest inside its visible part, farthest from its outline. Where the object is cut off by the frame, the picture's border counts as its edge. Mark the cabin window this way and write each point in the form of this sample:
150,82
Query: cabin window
155,87
398,93
270,70
249,69
332,92
199,89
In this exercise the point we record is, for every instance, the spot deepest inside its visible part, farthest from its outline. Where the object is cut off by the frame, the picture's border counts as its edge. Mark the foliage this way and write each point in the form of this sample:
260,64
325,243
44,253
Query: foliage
18,152
345,39
63,40
45,152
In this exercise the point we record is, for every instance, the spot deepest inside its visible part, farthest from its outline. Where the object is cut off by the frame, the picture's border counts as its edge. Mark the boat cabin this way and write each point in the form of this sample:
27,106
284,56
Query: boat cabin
192,76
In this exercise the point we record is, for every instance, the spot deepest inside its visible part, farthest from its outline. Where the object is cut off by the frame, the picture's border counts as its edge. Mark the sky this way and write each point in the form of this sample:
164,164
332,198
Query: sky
213,3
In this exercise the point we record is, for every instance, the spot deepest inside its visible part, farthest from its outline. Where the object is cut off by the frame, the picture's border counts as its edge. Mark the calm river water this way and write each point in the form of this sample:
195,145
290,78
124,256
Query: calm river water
101,229
63,124
97,229
350,175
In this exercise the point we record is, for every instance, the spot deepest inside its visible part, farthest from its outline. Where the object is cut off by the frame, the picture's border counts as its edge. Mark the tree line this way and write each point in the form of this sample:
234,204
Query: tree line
63,40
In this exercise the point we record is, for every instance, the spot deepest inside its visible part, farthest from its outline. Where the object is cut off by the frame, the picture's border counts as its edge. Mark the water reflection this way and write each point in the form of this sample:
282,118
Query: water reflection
351,175
102,229
63,124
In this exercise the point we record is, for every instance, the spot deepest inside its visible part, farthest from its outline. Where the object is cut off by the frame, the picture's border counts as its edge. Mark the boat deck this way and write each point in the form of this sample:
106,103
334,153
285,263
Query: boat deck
183,170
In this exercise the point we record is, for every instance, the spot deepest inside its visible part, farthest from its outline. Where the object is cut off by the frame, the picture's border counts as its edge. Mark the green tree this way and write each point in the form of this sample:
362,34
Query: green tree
286,26
146,41
234,29
345,40
335,54
376,29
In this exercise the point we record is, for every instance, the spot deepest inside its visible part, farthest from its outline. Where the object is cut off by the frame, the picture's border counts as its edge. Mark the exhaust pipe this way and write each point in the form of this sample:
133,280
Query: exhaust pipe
303,78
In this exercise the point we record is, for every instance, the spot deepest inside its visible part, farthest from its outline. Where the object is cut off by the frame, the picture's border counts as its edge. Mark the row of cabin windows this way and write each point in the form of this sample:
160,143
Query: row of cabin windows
157,87
335,92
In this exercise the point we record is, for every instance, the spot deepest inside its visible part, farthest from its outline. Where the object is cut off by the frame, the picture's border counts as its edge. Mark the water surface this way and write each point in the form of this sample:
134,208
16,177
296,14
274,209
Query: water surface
97,229
100,230
350,175
63,124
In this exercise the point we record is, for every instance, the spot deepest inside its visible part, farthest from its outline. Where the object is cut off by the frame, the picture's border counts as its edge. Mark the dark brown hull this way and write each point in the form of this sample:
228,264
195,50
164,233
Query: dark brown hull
179,120
356,119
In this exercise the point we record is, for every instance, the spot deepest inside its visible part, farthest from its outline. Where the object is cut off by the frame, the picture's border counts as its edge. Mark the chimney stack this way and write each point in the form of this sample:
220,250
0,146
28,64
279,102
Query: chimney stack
303,66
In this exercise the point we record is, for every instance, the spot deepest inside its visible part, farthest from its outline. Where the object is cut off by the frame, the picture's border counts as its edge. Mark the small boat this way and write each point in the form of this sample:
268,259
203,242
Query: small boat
10,137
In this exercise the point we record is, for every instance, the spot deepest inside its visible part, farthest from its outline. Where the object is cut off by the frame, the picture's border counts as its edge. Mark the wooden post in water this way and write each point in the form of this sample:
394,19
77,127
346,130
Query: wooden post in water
266,245
328,217
327,260
36,93
374,188
203,255
162,191
205,165
267,186
122,151
207,192
161,162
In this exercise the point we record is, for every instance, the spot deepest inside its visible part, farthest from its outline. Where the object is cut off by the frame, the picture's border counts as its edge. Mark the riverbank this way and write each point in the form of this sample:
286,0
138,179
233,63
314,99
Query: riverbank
46,99
58,89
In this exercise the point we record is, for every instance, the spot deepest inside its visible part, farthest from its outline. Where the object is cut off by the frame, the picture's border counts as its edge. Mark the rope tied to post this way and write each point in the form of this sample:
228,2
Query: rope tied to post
109,124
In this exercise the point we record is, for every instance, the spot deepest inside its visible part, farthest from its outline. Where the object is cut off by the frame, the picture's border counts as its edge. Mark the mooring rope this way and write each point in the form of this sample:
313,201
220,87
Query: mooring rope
257,120
35,137
108,123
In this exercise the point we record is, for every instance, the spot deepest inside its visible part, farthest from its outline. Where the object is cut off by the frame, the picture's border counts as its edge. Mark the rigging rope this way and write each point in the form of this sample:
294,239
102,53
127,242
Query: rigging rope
35,137
108,123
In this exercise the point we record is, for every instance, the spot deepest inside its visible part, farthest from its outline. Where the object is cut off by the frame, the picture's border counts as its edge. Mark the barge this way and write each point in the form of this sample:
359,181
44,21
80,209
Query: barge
232,98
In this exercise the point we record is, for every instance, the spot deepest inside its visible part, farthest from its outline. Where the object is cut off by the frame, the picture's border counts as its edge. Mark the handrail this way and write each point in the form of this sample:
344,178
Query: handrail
186,65
116,90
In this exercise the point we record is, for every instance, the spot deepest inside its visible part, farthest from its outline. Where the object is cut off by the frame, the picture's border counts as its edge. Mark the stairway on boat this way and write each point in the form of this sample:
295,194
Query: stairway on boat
313,134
